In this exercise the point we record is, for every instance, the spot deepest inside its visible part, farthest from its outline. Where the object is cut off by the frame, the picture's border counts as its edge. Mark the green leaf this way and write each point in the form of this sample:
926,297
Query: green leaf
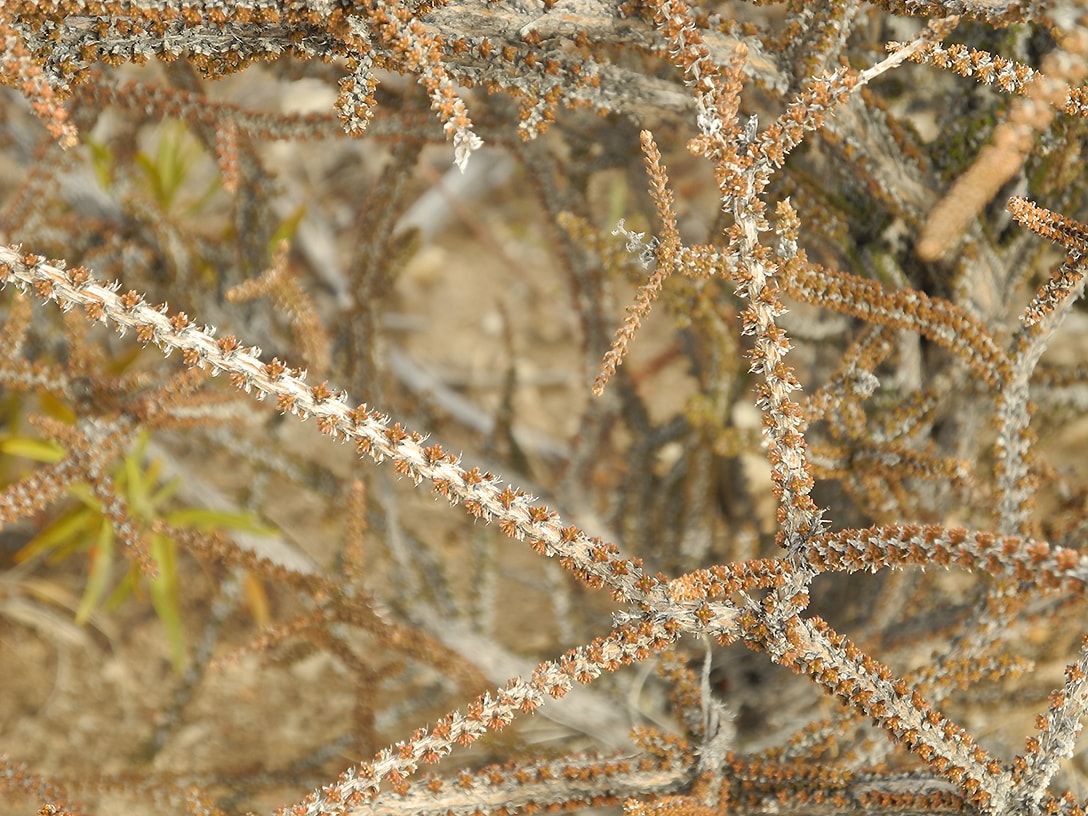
101,161
82,491
137,484
97,581
171,158
40,450
154,177
199,518
164,491
202,201
67,533
128,586
286,229
53,406
164,596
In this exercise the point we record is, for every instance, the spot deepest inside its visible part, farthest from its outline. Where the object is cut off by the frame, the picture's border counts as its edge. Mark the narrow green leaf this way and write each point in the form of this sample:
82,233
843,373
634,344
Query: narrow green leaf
98,580
198,518
101,161
73,526
164,596
287,228
40,450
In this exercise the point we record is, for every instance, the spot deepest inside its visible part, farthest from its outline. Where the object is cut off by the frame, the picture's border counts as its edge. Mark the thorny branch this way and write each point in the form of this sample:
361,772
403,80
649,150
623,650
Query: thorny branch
924,385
